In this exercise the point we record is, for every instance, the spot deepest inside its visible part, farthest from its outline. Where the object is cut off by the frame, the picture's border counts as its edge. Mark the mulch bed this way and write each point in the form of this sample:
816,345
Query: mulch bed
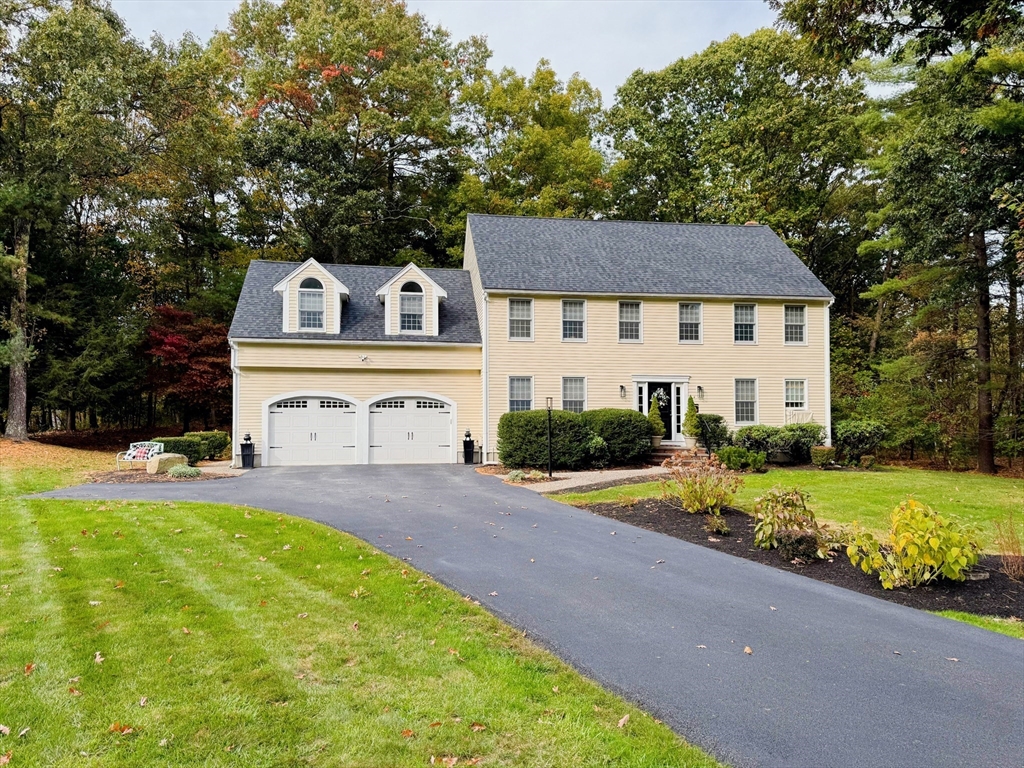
997,595
141,476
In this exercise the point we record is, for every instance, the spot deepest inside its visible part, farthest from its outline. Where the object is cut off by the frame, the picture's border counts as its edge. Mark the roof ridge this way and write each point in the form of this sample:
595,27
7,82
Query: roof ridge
615,221
363,266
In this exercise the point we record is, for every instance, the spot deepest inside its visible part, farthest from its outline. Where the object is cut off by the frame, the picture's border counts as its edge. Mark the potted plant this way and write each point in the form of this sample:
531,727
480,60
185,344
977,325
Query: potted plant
654,416
691,425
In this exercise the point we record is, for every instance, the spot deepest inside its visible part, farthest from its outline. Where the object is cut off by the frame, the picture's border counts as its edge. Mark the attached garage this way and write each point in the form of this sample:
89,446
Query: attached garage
410,430
311,430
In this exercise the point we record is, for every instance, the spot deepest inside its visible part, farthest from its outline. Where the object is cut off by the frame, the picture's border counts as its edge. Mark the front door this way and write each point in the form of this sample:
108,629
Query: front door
671,407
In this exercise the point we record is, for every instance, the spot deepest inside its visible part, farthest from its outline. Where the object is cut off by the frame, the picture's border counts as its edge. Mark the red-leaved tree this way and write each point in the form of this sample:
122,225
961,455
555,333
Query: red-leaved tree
190,364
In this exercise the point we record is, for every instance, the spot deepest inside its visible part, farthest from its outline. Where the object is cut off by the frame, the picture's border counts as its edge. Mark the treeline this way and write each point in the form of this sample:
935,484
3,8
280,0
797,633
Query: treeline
137,180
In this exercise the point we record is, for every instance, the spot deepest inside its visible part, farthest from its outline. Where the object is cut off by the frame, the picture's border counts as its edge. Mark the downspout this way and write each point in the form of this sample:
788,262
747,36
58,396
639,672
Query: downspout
828,375
486,380
235,384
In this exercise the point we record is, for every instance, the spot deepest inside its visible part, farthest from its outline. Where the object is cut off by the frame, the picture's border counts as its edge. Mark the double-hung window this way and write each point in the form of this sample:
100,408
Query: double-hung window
744,323
746,401
796,393
410,308
520,319
311,305
520,393
574,394
796,324
630,319
574,318
689,323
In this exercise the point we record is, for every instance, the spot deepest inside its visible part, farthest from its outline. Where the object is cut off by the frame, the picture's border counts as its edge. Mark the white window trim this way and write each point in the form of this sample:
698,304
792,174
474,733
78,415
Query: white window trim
618,319
508,392
700,339
561,323
322,292
423,310
784,324
807,394
756,323
757,401
508,318
585,389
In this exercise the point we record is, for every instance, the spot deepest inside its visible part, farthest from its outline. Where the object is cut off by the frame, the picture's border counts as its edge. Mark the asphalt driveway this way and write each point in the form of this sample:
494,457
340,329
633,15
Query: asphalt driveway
835,679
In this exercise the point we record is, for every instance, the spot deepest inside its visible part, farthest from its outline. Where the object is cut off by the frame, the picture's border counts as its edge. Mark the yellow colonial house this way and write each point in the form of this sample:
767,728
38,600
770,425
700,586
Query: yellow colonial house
348,364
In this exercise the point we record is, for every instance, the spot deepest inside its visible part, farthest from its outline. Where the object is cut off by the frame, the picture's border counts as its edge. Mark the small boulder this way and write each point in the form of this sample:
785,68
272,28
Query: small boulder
162,462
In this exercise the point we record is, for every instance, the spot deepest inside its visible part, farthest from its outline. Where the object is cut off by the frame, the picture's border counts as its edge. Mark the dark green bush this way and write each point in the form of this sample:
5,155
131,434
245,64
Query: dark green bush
523,439
823,456
757,438
855,437
738,458
597,451
627,433
219,441
713,432
797,440
191,447
867,461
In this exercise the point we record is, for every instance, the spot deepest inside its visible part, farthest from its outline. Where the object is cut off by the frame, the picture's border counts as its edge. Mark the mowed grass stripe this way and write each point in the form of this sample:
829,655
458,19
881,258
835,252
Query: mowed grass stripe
232,681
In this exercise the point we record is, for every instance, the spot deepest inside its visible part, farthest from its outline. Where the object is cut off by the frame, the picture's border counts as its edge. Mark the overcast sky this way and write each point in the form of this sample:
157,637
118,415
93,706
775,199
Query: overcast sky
603,40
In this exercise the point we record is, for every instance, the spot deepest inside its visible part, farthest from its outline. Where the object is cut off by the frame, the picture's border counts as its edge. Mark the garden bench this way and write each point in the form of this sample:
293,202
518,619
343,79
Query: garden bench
138,452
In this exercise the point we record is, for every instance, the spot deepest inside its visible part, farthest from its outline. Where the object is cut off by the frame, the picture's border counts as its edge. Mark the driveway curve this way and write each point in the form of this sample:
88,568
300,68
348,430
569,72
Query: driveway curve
835,678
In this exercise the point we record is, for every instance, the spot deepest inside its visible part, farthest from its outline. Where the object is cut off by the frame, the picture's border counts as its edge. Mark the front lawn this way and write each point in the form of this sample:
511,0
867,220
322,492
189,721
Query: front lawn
134,634
866,497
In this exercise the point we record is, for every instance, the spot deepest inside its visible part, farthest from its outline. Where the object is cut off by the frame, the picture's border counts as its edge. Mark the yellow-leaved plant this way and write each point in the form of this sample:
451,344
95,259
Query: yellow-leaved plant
920,547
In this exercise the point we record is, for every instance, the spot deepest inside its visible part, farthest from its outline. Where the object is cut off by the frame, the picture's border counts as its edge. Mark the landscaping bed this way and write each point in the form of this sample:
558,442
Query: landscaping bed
141,476
997,595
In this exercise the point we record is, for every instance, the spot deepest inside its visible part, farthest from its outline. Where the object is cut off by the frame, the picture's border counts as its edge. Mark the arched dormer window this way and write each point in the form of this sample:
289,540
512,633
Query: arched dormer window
410,308
311,305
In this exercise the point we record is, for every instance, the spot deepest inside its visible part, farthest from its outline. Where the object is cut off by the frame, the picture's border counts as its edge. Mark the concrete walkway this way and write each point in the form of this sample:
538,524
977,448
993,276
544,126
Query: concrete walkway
570,480
835,678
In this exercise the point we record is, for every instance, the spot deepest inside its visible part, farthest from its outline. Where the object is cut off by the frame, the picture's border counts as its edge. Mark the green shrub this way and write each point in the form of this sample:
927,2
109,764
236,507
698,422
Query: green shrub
717,524
796,440
823,456
867,461
757,438
713,432
192,448
597,451
184,470
782,516
703,486
654,417
523,439
516,476
920,547
691,426
738,459
855,437
627,433
218,441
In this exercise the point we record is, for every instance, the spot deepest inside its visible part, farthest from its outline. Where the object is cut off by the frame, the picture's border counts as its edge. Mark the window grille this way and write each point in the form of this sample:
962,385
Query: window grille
520,318
795,318
573,317
689,322
744,323
629,321
574,394
796,395
520,393
746,401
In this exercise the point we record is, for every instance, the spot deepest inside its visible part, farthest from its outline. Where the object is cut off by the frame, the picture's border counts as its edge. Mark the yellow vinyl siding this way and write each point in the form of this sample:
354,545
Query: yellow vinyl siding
609,364
330,299
268,370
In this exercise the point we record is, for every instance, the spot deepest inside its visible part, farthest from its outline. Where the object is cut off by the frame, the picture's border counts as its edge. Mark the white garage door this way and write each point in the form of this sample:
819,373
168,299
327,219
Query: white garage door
312,430
410,430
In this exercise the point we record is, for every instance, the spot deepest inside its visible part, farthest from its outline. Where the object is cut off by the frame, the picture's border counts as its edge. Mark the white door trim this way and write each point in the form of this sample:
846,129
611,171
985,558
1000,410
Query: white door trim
363,447
679,384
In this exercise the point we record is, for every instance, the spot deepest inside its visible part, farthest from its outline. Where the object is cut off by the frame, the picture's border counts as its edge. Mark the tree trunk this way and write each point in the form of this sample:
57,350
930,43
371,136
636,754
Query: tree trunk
94,421
19,350
876,330
983,302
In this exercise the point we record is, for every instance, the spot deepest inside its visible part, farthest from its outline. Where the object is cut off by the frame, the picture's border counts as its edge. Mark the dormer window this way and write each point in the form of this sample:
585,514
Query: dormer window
410,308
311,305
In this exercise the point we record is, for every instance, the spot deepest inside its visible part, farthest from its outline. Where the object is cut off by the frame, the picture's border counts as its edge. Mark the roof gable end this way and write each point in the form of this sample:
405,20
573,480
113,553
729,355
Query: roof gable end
339,287
403,273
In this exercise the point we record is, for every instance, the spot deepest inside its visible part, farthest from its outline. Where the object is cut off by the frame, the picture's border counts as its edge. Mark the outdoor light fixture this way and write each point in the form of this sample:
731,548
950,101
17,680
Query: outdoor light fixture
622,390
700,392
549,435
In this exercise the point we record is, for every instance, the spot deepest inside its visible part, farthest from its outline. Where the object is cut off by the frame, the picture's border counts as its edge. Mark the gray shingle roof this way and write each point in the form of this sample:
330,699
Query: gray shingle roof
258,314
631,257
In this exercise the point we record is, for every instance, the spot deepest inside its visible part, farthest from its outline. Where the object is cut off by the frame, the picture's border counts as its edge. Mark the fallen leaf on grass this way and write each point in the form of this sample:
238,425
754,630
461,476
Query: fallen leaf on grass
286,547
436,724
303,615
123,729
355,626
28,668
4,730
241,536
99,658
408,734
22,732
263,559
5,758
74,691
623,721
554,689
94,603
186,630
748,650
478,727
119,585
143,701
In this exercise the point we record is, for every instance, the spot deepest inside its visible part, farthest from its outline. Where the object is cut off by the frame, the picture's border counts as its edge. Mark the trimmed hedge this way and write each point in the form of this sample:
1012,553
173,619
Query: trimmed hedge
523,439
627,433
793,439
219,441
757,438
191,447
738,458
823,456
713,432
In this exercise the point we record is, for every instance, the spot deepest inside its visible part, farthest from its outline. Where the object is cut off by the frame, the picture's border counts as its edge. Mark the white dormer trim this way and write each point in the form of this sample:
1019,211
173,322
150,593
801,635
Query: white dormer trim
410,272
340,292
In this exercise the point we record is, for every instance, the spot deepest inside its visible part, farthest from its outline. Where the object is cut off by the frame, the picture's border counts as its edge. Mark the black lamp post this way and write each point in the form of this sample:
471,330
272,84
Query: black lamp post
549,437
